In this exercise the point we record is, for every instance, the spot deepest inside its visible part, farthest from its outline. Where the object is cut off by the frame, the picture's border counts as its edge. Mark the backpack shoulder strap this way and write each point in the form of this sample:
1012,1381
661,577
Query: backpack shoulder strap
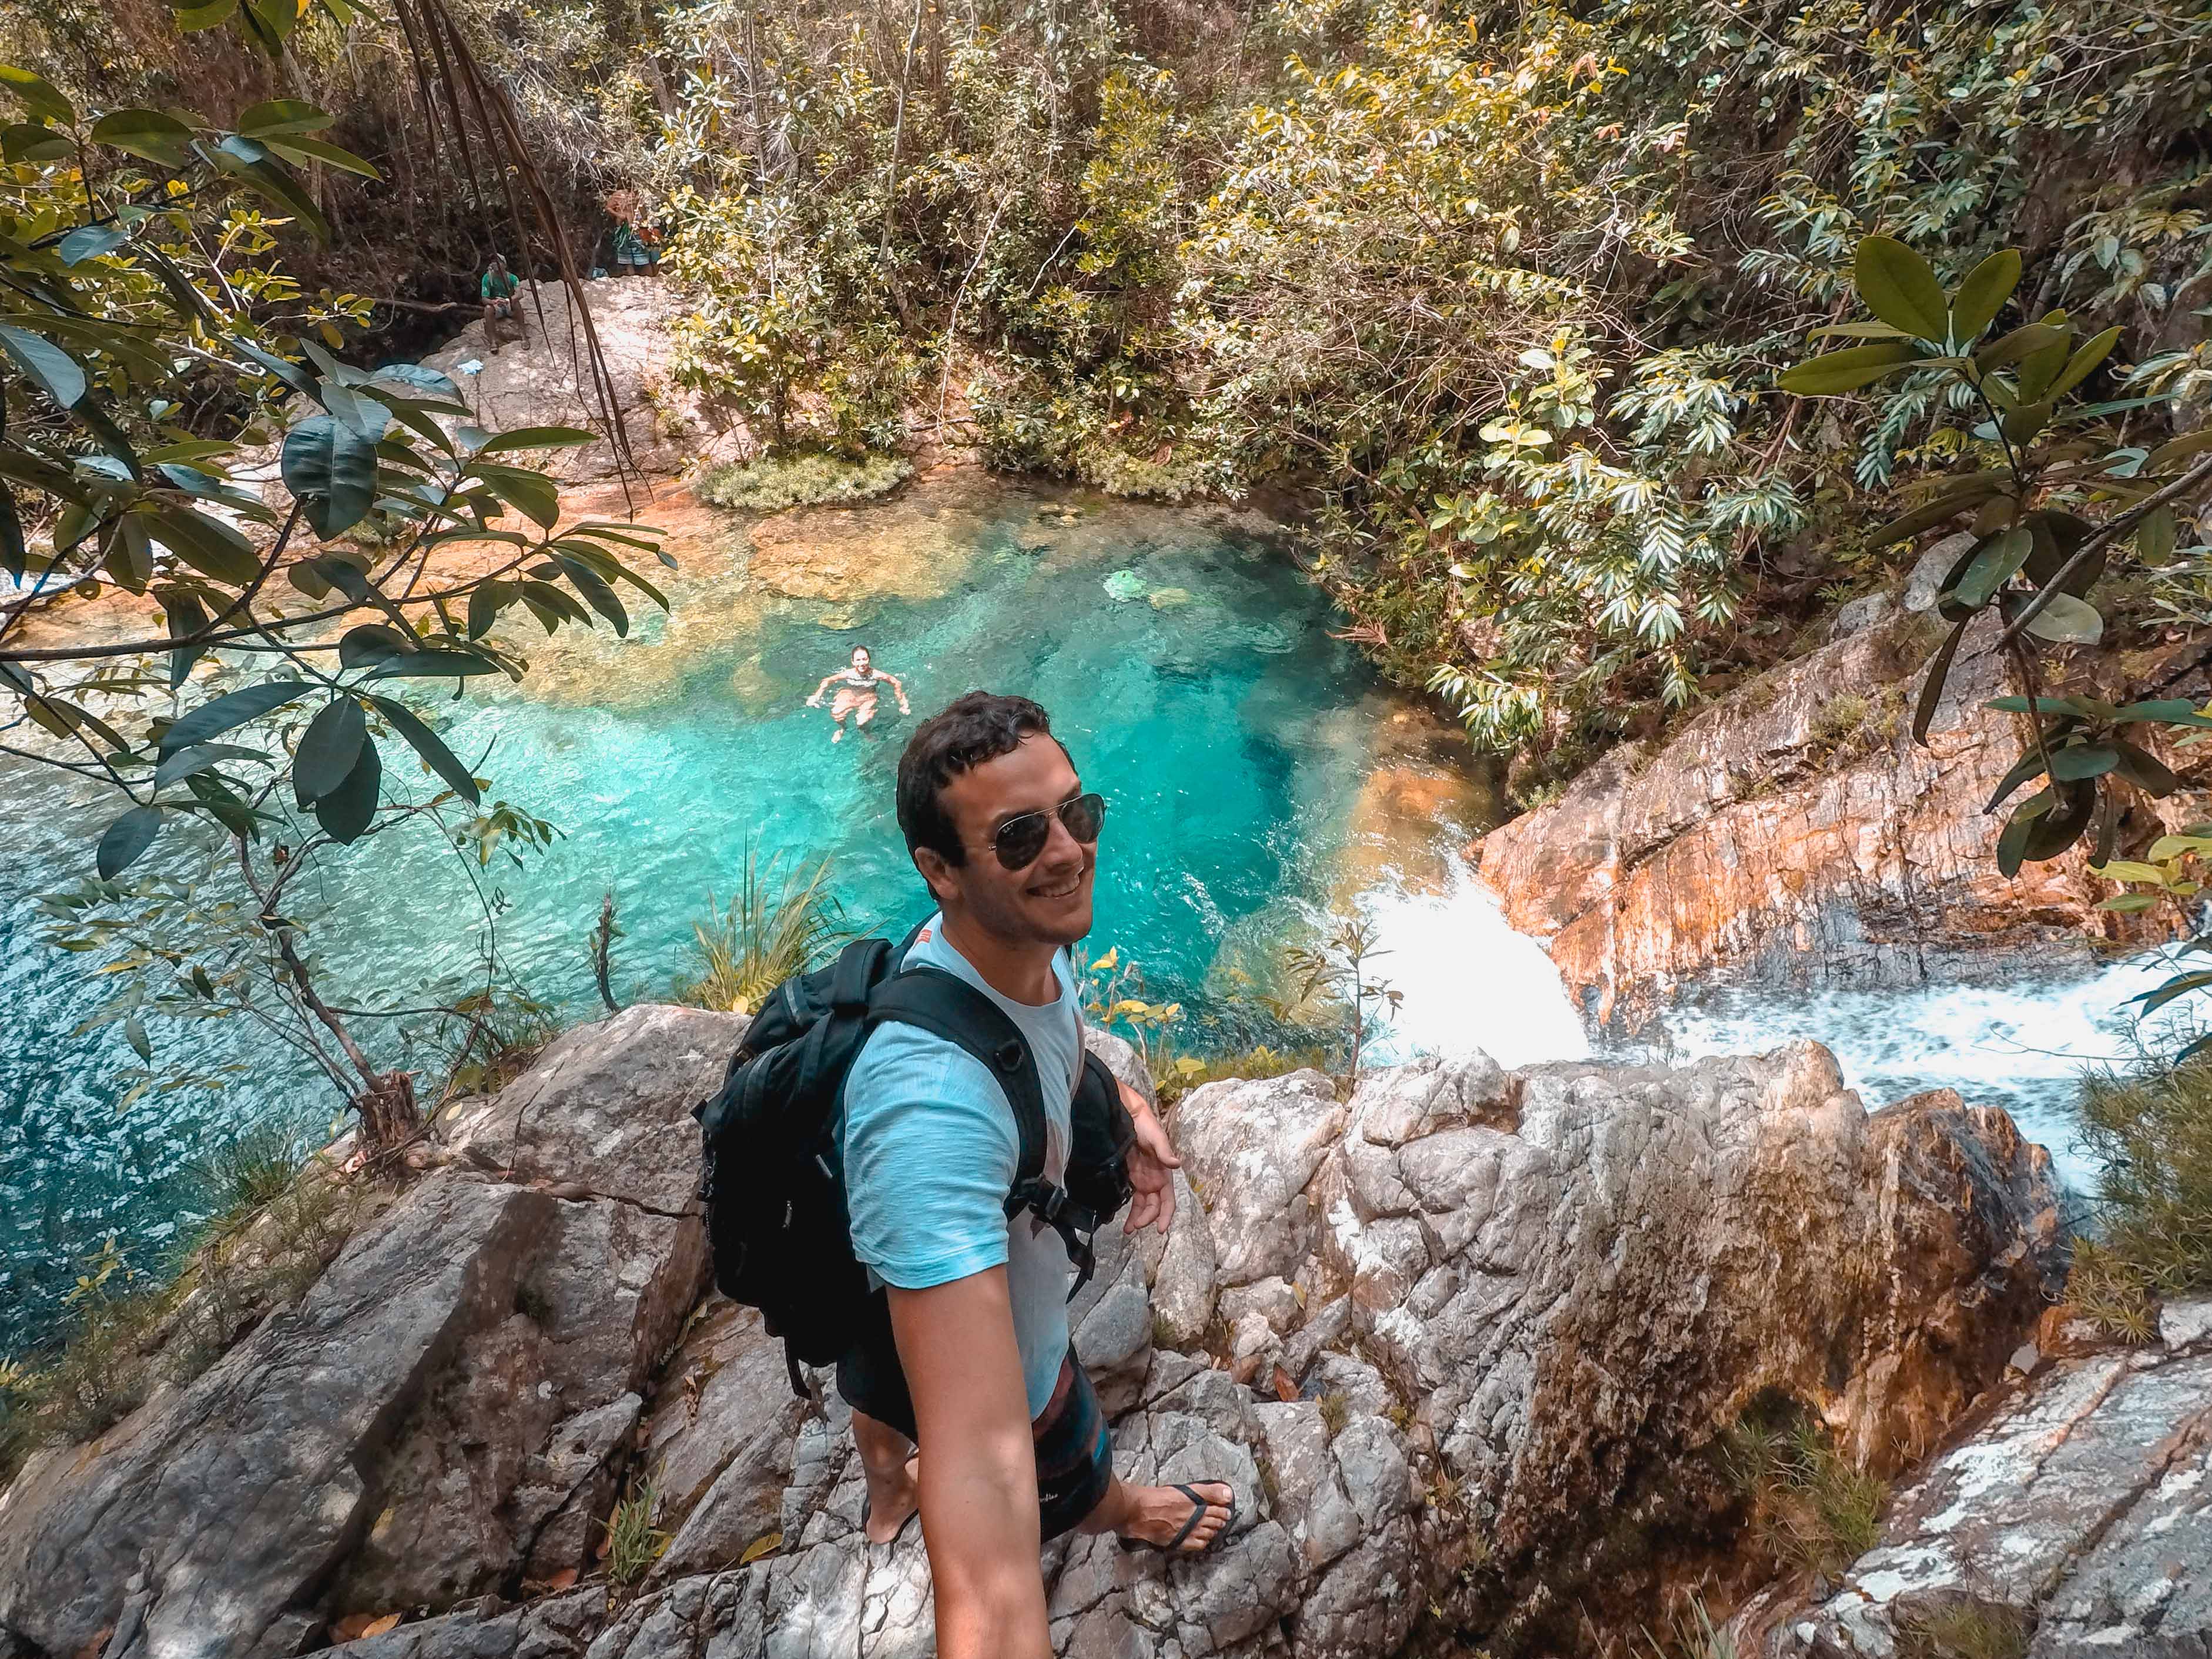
947,1006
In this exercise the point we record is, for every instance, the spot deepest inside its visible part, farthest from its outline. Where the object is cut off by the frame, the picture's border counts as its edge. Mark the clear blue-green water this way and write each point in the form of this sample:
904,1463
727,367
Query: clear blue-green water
1232,735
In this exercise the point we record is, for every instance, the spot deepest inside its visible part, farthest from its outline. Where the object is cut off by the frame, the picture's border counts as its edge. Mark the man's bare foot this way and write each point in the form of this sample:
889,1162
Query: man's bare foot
892,1503
1157,1514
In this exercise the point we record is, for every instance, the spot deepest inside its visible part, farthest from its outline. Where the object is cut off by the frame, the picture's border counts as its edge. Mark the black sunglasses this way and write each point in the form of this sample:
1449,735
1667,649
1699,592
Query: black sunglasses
1020,842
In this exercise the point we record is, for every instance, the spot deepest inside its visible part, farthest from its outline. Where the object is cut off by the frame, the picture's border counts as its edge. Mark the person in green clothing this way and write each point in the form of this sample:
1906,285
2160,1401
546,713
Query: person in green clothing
498,288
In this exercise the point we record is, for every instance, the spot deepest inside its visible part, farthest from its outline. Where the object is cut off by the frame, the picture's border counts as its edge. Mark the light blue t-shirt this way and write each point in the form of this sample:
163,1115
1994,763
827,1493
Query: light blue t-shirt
930,1150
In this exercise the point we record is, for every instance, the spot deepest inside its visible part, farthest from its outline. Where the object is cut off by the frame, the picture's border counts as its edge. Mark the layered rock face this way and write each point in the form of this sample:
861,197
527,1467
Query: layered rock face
1793,834
2077,1518
546,381
1448,1338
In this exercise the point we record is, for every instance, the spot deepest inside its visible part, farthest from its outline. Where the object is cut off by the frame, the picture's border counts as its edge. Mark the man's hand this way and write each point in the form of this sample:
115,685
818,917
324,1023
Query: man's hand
1150,1163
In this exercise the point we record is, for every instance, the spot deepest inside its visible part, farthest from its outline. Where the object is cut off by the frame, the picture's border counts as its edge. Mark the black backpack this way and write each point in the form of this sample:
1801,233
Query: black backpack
775,1196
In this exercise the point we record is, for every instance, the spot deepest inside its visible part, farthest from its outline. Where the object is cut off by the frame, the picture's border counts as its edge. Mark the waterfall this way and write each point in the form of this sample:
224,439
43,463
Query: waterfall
1468,980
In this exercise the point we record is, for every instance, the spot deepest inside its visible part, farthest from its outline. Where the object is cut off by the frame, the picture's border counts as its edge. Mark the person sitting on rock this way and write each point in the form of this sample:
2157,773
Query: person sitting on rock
856,693
968,1401
498,288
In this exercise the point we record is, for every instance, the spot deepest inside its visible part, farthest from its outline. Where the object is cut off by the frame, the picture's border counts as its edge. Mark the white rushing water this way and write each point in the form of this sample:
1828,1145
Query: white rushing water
1470,981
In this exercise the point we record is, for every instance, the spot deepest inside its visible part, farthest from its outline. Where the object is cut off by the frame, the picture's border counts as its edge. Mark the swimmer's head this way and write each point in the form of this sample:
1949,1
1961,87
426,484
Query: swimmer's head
861,660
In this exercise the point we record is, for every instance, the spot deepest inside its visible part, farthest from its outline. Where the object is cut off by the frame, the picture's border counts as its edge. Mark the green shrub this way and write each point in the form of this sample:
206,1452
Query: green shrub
2149,1133
776,481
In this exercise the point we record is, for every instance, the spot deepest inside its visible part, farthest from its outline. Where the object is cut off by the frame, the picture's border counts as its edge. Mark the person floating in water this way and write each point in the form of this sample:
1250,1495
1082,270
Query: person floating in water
856,693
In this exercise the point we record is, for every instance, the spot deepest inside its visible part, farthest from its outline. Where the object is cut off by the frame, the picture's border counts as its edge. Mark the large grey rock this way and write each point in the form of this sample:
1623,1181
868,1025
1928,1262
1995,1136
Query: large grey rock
447,1410
2083,1507
1502,1307
237,1499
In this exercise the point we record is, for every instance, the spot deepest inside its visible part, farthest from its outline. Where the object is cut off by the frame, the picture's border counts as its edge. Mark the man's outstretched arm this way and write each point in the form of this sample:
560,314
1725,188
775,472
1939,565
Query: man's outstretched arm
979,1496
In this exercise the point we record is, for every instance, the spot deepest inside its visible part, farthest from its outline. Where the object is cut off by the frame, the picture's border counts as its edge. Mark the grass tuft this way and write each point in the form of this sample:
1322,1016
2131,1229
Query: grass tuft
776,481
775,926
634,1543
1690,1634
1966,1629
1810,1507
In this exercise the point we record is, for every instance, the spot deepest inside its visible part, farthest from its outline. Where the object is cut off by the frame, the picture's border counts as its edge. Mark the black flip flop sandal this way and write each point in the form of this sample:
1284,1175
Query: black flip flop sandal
1198,1509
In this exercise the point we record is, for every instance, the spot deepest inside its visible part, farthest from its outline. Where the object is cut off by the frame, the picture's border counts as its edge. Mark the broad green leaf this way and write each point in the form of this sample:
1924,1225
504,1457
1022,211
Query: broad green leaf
1983,294
1931,685
1946,503
330,466
1996,563
1846,370
328,750
2180,986
2172,711
215,13
208,545
33,141
2145,770
2127,870
1858,332
2173,846
431,747
374,642
597,592
2129,903
346,811
2068,620
186,763
2022,424
184,616
2178,449
248,162
302,152
88,242
283,367
2079,366
213,719
281,115
2082,760
2040,366
1897,287
531,494
434,665
127,840
486,601
2011,348
2156,534
15,556
538,437
56,371
2027,766
150,134
37,95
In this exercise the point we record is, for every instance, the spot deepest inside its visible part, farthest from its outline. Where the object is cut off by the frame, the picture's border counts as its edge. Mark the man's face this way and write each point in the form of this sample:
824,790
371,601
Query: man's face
1048,902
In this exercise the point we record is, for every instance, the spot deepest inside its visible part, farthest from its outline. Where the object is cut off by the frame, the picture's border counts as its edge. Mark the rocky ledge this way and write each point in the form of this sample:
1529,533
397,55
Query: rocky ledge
1793,835
1464,1342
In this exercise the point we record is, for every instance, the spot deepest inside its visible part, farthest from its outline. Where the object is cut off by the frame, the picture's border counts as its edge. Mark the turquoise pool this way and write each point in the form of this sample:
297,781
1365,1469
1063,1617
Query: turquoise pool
1188,664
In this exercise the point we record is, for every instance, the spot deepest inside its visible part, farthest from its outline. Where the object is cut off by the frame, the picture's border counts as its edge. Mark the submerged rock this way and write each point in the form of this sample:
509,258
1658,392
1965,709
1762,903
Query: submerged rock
1448,1339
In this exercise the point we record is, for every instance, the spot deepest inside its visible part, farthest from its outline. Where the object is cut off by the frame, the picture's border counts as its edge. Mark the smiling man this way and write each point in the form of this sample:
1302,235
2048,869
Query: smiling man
968,1359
